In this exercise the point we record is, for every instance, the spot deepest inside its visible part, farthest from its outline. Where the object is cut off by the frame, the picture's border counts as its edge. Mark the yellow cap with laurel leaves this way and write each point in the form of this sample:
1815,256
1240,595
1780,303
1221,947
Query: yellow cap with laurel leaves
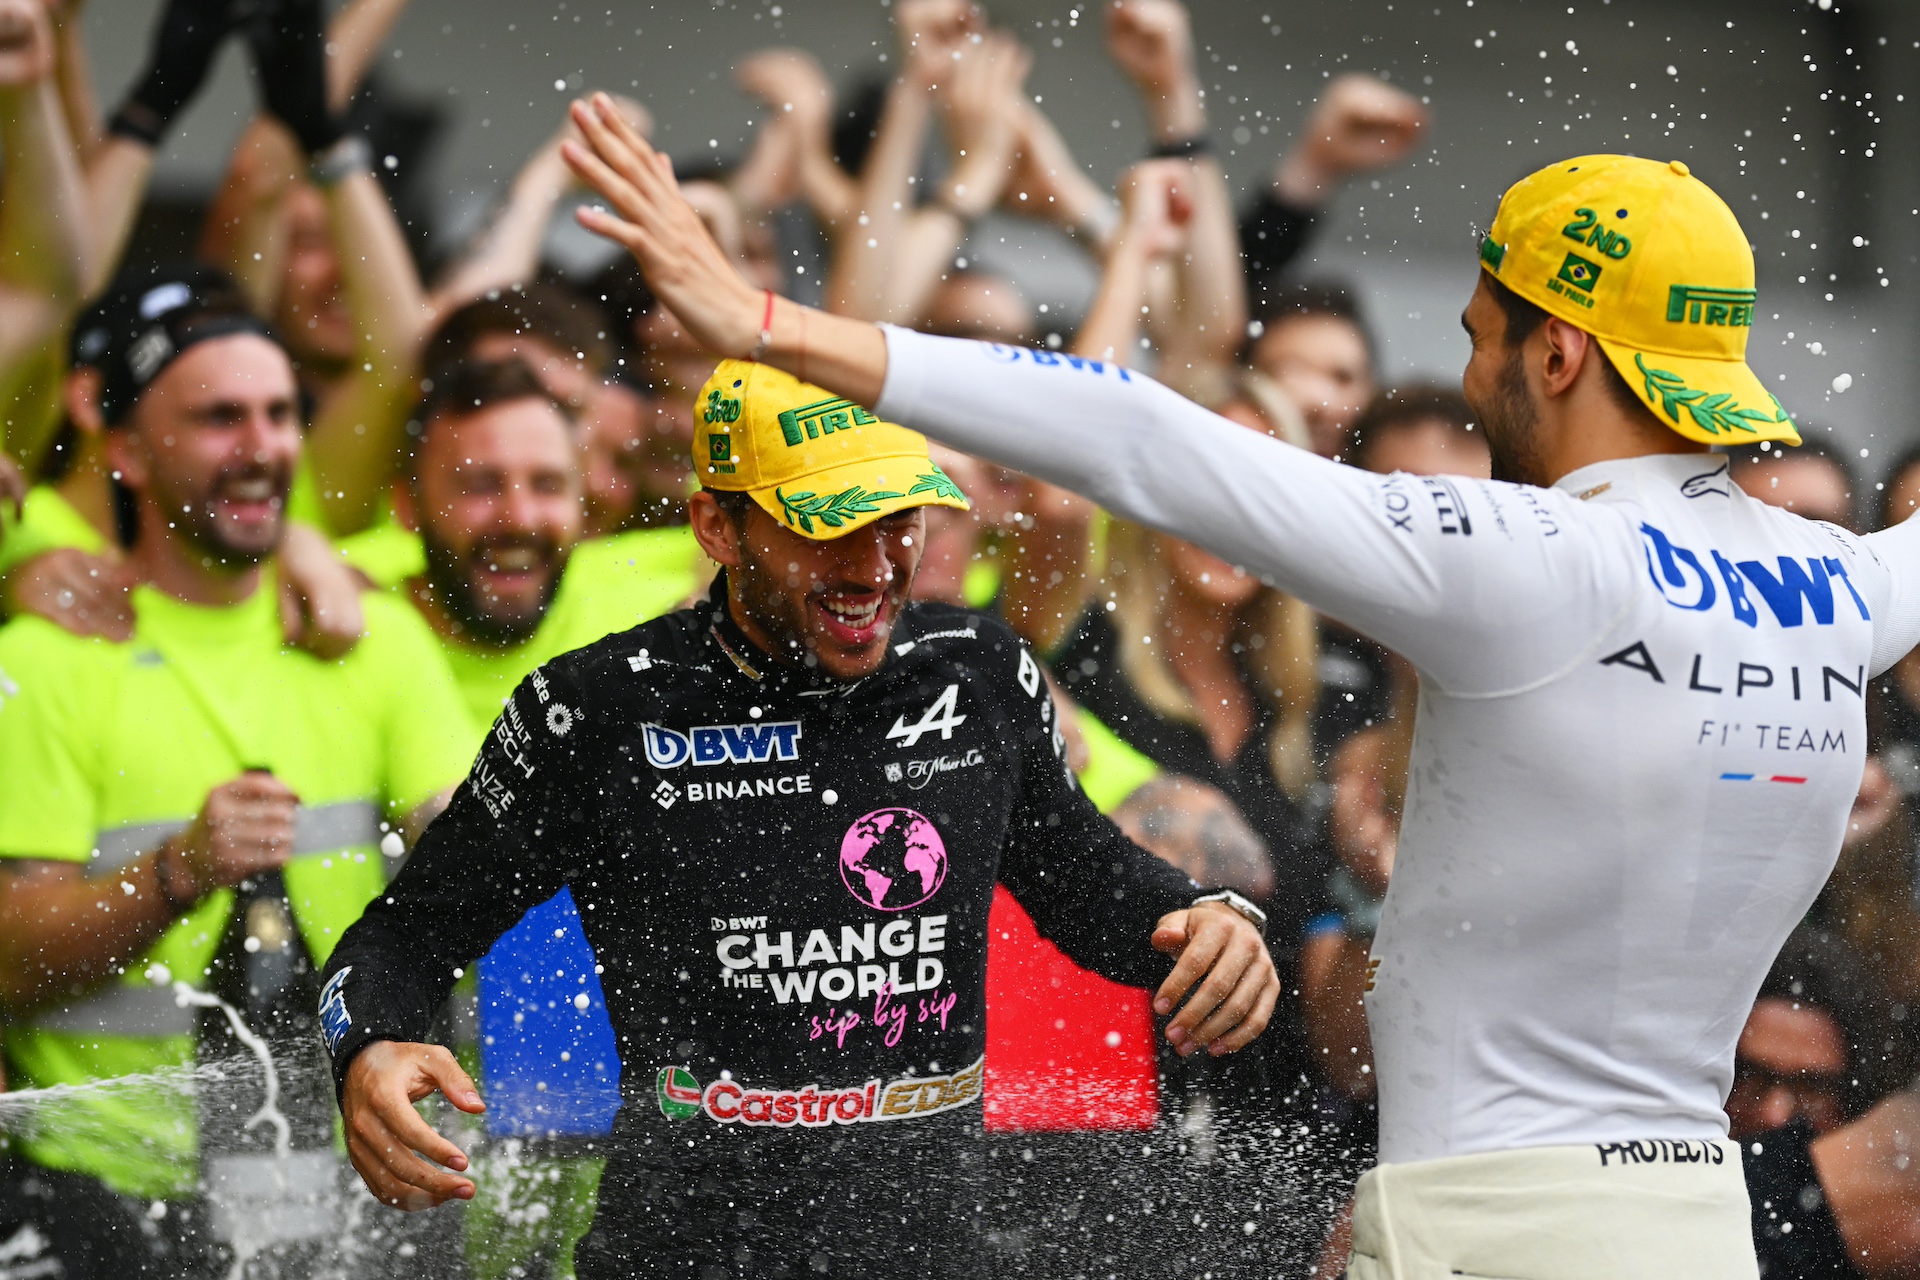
1646,258
818,463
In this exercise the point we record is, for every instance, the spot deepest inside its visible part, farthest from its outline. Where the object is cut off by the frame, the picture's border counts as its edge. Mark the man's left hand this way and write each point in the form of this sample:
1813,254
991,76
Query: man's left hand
1219,949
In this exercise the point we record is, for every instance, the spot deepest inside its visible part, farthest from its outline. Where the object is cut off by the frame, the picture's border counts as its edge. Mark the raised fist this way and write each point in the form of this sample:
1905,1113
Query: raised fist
26,43
1362,123
1152,40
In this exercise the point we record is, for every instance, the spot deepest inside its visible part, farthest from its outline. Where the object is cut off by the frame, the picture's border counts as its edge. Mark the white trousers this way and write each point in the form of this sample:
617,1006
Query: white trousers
1644,1210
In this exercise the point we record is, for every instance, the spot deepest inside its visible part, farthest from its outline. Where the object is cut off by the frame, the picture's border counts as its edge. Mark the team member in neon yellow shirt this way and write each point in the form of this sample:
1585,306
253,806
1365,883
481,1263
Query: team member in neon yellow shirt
140,779
493,491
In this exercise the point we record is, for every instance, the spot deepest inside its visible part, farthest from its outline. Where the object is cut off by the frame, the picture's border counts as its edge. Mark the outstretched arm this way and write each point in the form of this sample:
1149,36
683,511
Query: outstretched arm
1387,554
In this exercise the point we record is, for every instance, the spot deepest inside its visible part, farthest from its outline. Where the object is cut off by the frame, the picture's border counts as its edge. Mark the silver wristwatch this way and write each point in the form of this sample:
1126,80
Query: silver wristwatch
1237,902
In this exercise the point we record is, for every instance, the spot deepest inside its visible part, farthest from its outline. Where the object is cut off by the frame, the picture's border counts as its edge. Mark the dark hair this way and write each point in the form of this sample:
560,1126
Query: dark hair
1822,970
1815,446
1903,462
1330,298
547,311
733,503
1399,408
1524,320
469,387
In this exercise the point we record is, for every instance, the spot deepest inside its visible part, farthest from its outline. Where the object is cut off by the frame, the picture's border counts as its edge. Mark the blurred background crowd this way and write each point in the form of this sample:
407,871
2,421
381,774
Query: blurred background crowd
484,447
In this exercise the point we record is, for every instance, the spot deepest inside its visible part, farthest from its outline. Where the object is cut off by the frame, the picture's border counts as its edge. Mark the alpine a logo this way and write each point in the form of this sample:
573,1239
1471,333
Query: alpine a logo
944,715
723,744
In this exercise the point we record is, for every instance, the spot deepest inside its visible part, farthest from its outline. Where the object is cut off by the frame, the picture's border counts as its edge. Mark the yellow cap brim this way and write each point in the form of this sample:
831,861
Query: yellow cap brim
839,500
1712,401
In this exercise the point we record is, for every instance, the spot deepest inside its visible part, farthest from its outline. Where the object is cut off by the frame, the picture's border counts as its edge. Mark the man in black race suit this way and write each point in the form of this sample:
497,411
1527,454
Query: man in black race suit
782,814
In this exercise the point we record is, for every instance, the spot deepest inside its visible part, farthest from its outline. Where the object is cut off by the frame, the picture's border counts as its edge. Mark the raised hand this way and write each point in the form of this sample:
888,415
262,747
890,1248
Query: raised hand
931,33
26,43
790,83
1152,41
982,100
184,44
289,43
1360,124
653,221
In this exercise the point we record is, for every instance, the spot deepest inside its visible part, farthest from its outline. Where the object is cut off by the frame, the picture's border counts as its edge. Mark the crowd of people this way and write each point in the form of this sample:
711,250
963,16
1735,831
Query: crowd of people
284,529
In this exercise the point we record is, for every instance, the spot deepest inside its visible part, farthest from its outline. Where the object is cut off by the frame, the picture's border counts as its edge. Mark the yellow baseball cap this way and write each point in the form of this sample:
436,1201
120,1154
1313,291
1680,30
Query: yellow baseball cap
1646,258
818,463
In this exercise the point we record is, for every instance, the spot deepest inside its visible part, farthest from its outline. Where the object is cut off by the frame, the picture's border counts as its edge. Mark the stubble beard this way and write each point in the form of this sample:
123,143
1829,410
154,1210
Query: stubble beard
1511,422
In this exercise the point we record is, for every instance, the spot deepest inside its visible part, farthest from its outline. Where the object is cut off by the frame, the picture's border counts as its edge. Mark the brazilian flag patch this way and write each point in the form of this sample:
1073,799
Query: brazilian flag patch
1580,273
678,1092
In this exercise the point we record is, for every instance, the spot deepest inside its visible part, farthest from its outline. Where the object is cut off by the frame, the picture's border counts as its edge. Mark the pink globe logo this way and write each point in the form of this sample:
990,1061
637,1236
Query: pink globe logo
893,859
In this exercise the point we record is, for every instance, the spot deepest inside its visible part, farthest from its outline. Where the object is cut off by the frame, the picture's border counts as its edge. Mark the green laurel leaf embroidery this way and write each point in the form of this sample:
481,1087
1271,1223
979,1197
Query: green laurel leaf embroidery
830,509
1713,414
937,483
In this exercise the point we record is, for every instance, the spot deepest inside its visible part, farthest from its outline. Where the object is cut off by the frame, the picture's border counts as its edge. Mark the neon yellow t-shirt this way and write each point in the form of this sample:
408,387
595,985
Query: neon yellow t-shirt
47,521
106,749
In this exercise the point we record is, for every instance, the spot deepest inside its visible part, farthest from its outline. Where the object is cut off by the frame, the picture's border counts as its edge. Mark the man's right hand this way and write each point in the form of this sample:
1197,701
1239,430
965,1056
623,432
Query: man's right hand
245,827
386,1137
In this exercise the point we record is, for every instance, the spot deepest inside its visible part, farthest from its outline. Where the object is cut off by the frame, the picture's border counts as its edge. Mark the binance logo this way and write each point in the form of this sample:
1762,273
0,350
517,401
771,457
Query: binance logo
1373,968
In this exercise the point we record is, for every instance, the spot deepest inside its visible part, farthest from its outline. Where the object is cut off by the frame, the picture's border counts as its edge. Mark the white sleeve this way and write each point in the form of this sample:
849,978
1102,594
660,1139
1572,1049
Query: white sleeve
1889,573
1486,588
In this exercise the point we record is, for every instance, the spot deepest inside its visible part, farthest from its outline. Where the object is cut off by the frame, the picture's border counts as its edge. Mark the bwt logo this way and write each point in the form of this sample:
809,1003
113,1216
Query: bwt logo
1794,587
723,744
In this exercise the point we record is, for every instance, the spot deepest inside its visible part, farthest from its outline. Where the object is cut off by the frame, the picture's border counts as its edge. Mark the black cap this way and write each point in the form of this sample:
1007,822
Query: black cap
143,323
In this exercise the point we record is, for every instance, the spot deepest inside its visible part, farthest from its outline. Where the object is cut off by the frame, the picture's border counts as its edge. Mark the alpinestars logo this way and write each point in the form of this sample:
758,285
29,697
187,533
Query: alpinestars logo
942,715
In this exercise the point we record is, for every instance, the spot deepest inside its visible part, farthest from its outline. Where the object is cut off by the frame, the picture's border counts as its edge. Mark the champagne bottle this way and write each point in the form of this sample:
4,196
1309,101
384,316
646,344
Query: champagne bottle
266,1202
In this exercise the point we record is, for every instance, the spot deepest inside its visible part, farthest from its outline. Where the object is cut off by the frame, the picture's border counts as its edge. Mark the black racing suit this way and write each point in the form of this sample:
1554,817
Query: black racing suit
786,880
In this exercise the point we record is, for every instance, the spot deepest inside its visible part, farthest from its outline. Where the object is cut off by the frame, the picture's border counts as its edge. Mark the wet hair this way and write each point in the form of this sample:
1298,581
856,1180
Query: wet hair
1401,408
1331,298
1524,320
1815,446
1822,970
469,387
544,310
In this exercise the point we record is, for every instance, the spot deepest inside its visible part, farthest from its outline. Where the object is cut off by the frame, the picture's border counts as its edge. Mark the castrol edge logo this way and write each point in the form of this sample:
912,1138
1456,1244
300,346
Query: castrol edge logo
812,1106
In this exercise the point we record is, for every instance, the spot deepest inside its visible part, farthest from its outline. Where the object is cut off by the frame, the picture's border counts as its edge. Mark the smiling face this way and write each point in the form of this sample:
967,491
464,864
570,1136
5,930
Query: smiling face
210,449
826,604
496,498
